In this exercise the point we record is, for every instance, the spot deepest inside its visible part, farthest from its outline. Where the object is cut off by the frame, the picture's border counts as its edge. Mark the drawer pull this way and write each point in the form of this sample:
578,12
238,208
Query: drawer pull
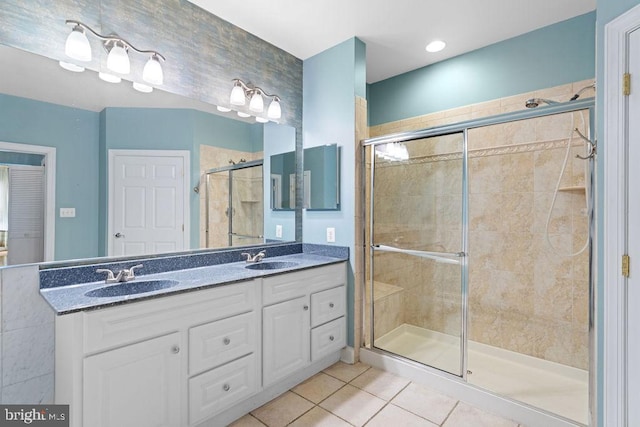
330,305
306,307
226,340
175,349
331,338
226,387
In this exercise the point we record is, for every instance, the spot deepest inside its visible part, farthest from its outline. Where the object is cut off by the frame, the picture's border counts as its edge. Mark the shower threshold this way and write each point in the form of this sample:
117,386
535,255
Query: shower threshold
559,389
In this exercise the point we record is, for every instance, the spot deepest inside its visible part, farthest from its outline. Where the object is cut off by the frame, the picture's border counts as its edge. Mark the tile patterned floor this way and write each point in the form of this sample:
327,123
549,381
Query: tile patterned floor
359,395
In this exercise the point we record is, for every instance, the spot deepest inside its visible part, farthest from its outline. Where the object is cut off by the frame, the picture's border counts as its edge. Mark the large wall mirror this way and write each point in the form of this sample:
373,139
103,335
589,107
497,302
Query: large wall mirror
87,120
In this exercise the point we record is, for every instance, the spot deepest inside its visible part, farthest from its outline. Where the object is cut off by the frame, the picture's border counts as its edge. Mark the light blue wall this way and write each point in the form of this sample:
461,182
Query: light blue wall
551,56
607,10
176,129
278,139
74,134
331,81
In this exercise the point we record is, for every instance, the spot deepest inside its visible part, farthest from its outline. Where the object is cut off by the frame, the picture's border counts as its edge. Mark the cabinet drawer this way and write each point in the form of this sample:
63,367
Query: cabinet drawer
116,326
293,285
218,389
328,338
216,343
327,305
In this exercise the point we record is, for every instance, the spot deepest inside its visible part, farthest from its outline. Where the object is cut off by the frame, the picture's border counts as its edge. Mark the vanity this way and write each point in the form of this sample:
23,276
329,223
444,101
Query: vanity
217,342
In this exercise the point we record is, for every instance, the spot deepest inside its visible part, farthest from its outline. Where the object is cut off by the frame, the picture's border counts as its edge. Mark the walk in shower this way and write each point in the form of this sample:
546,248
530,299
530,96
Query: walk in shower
478,253
234,205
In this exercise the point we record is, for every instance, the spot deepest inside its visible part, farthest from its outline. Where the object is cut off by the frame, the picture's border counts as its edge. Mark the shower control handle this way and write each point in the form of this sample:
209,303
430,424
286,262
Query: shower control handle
306,307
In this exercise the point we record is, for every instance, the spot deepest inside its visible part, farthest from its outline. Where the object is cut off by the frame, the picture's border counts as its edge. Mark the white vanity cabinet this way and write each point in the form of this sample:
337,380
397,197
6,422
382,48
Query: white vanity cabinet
303,319
200,358
171,361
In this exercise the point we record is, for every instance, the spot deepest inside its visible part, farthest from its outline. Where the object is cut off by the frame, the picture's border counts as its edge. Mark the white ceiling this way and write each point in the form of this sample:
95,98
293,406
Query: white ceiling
395,32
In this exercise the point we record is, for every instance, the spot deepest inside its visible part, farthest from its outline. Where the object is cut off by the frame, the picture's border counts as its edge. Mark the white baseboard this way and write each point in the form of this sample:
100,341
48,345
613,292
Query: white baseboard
348,355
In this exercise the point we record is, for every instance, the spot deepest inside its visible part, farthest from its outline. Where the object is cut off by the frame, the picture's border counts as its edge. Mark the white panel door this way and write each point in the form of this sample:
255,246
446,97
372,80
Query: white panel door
633,221
148,208
25,240
285,339
134,386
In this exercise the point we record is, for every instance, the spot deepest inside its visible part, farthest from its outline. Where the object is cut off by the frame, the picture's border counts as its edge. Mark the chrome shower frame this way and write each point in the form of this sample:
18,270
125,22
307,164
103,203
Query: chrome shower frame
464,127
230,169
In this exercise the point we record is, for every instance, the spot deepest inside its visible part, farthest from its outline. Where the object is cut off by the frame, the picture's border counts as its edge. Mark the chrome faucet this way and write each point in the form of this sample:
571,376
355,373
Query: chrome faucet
254,258
123,275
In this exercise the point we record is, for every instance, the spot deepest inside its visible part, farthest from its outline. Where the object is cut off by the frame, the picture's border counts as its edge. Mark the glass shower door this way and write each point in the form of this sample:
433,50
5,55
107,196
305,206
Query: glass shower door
417,274
246,201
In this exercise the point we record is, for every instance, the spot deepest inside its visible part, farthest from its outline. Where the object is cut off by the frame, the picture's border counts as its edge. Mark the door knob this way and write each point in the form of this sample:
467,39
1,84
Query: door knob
118,235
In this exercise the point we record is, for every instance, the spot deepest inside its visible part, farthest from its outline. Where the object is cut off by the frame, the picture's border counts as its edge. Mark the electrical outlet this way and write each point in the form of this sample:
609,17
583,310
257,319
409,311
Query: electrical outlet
331,235
67,212
279,231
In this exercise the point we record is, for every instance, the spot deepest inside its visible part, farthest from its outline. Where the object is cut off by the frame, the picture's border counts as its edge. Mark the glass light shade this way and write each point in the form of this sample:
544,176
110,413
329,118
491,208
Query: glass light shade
77,45
274,111
237,95
261,120
109,78
71,67
152,72
118,60
243,115
223,109
142,87
257,103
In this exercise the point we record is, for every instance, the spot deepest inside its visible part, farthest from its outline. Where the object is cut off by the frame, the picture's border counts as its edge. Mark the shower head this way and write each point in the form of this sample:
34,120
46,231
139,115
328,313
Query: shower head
534,102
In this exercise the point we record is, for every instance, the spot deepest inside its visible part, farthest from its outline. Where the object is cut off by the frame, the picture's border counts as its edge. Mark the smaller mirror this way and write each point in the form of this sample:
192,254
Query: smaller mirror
283,181
322,178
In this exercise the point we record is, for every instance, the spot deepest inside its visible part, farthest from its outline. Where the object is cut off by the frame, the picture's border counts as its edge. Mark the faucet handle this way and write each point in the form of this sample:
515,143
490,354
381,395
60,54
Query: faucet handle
246,255
132,274
259,256
110,277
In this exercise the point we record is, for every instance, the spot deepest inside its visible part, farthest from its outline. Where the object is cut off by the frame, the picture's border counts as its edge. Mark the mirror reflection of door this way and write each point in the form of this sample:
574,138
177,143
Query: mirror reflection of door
148,210
22,183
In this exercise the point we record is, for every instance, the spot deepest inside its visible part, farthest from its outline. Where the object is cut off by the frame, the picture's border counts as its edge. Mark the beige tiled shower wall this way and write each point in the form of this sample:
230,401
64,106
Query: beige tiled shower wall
214,157
525,295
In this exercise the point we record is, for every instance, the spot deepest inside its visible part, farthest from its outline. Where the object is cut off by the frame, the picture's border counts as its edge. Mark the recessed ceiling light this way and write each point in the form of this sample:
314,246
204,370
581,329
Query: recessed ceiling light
435,46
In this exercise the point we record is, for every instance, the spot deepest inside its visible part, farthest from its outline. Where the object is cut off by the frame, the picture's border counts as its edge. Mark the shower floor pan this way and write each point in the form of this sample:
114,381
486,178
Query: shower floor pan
556,388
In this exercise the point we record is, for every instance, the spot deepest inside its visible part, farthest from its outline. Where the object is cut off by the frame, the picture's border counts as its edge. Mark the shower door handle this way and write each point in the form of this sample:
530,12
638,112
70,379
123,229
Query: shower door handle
118,235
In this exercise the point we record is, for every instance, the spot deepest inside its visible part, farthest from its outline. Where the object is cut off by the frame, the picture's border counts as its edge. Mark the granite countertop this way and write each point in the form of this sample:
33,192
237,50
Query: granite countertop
72,298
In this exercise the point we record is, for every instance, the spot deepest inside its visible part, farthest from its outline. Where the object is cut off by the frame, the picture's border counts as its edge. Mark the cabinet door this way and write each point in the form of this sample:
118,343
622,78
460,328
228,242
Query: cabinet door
285,339
137,385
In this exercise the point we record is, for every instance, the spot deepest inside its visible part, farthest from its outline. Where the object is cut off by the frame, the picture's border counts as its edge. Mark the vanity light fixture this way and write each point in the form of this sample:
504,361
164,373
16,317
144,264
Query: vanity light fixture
241,91
78,47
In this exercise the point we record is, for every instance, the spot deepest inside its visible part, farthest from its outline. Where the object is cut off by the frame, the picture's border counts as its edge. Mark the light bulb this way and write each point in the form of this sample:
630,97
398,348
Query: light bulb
257,103
71,67
152,72
118,60
77,45
261,120
142,87
223,109
109,77
237,95
243,115
274,111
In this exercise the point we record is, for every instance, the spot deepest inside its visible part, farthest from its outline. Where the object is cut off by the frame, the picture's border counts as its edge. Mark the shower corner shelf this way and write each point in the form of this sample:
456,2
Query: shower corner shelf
573,188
